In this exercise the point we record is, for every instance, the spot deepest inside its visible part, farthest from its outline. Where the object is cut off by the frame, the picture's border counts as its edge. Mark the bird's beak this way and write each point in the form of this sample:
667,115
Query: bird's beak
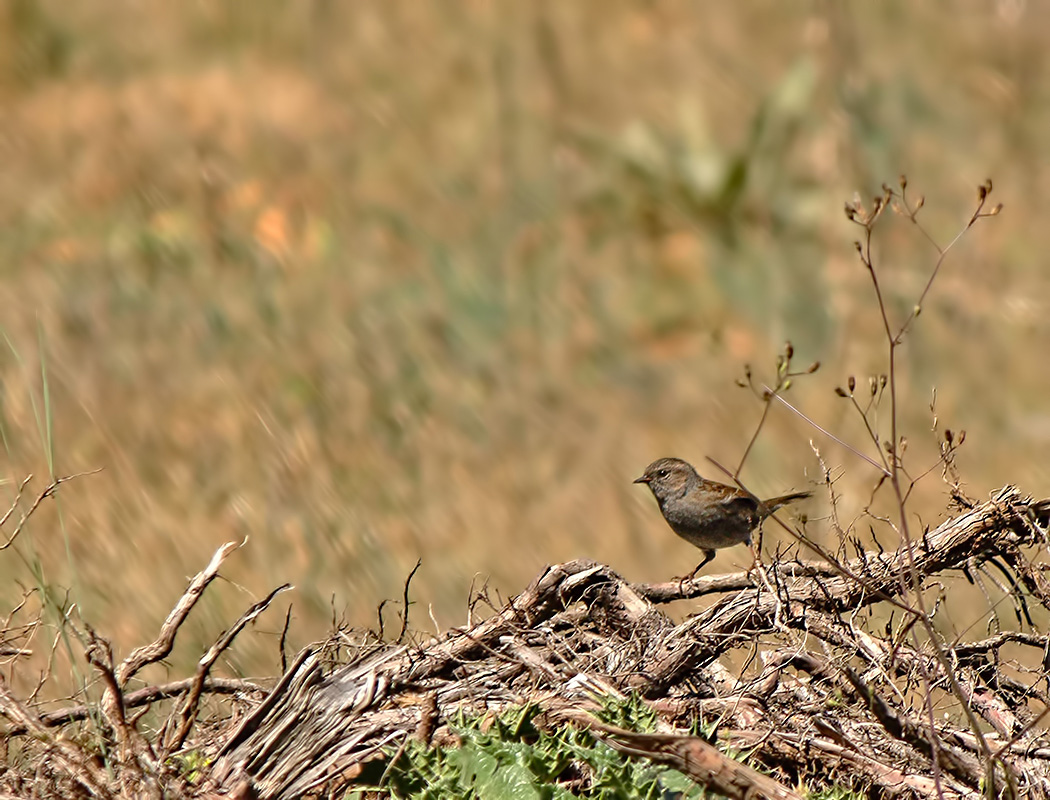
643,479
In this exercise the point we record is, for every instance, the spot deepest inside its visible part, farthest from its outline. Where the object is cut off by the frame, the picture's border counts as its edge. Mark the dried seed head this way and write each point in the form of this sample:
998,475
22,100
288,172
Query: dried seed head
787,384
841,392
921,202
813,367
903,181
851,383
873,385
882,381
858,247
948,435
995,211
962,437
789,349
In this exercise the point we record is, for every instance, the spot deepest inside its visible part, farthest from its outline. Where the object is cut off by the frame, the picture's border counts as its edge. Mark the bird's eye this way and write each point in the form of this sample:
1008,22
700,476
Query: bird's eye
663,473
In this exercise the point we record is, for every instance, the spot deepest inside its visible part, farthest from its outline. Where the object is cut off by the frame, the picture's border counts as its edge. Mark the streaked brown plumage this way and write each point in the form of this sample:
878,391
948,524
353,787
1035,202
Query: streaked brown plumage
707,514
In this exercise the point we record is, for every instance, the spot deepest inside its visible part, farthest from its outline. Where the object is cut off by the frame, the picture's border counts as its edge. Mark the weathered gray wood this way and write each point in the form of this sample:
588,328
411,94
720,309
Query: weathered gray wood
580,630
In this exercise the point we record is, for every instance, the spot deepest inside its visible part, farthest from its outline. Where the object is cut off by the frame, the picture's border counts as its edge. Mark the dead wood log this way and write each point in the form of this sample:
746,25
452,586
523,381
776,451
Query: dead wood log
992,529
693,756
580,631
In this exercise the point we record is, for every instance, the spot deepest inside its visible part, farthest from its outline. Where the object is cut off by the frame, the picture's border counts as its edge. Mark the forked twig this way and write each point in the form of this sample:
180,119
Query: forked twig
188,713
404,617
142,697
48,492
162,645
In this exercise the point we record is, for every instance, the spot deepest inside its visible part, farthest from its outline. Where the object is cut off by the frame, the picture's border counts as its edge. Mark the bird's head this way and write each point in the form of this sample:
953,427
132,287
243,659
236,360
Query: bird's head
669,477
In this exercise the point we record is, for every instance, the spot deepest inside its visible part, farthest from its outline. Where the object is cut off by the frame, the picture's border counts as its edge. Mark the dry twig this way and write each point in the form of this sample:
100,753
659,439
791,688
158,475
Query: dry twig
580,631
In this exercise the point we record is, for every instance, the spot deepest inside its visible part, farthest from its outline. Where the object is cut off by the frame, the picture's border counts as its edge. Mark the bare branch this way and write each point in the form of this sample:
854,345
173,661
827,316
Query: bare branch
161,646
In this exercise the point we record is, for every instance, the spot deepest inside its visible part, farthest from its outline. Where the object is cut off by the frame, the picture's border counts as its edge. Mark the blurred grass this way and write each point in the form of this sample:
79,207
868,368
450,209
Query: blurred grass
378,281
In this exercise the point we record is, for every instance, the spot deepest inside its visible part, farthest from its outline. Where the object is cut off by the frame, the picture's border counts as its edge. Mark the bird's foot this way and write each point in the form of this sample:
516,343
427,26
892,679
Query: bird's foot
682,580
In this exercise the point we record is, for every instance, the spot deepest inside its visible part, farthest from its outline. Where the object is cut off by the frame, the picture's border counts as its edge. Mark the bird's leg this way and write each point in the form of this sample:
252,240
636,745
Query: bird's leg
708,555
755,560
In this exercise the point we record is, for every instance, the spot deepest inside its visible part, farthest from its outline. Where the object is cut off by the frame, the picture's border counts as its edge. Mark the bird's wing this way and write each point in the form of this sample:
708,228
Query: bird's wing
743,505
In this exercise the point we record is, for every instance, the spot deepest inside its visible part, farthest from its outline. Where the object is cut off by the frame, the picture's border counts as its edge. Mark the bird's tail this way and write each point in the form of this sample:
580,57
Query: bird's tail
779,502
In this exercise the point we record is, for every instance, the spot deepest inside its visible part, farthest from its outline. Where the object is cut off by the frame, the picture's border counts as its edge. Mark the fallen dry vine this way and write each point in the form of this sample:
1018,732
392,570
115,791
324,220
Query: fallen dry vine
811,669
65,763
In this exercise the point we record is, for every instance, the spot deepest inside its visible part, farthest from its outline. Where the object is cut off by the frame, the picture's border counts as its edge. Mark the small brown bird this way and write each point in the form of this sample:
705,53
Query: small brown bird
707,514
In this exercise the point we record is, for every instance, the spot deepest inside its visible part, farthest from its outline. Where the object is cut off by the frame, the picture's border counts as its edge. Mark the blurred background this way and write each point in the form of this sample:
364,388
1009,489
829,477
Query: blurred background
370,282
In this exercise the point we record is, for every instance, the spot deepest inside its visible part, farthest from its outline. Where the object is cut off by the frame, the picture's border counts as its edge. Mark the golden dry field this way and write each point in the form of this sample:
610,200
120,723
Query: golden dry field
374,282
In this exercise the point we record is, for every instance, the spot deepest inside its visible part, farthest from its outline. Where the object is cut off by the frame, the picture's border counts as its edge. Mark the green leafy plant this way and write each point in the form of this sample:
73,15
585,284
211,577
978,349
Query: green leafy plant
512,756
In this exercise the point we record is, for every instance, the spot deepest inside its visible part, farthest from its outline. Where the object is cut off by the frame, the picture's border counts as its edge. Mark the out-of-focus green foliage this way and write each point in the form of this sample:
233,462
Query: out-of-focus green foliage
371,282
